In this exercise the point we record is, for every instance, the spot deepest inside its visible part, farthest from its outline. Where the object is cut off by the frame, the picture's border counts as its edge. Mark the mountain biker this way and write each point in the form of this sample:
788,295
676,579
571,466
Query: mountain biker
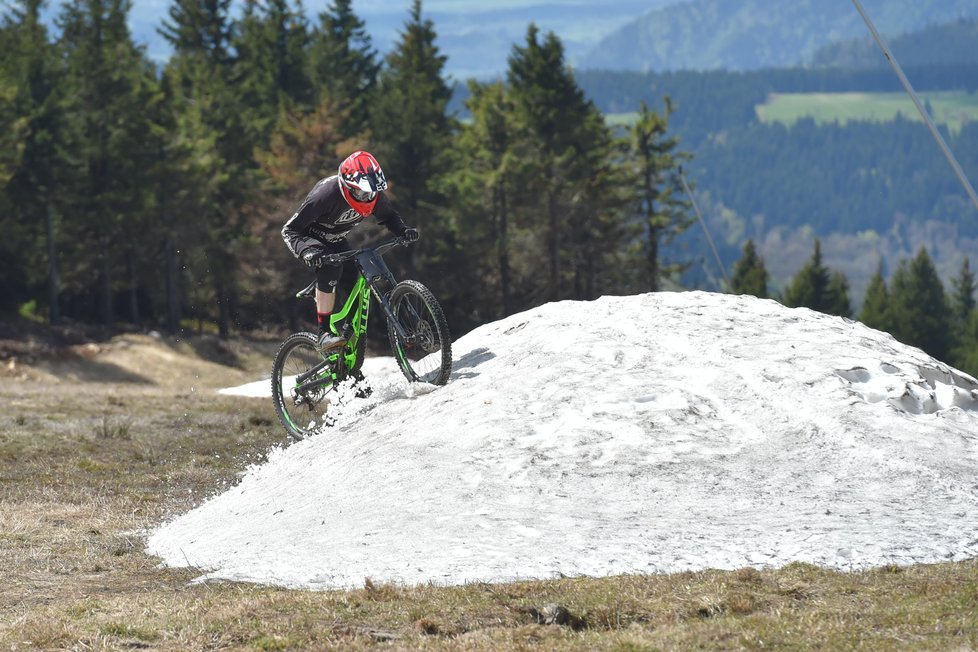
332,209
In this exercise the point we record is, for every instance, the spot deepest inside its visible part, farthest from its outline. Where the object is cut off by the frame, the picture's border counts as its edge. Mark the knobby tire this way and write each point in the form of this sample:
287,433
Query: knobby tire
429,358
297,354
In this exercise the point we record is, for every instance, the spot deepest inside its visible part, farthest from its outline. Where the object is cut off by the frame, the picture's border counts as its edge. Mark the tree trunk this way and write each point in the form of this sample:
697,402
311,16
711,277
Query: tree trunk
54,277
578,280
502,244
654,284
234,306
105,287
554,246
591,282
223,306
172,287
651,195
133,288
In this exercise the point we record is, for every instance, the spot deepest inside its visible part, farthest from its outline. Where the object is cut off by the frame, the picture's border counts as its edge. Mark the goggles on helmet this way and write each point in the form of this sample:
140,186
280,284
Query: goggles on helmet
359,194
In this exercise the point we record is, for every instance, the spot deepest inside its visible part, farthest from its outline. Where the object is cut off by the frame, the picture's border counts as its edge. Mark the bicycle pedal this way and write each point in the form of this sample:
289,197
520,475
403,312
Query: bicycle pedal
329,342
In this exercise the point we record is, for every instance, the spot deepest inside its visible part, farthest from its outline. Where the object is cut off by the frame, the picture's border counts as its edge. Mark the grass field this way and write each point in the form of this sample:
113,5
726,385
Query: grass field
950,108
100,447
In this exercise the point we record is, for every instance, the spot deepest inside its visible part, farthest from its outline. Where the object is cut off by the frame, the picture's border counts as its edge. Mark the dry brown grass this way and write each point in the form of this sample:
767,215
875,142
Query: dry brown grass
86,467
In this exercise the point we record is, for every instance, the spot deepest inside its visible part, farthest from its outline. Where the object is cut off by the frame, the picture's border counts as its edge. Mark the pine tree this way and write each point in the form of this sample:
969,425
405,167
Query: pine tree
837,296
816,287
963,297
549,105
270,67
205,158
749,273
13,140
411,136
481,186
876,309
965,355
663,212
810,285
567,171
31,125
110,90
200,28
212,130
599,207
343,64
410,124
919,307
13,131
303,149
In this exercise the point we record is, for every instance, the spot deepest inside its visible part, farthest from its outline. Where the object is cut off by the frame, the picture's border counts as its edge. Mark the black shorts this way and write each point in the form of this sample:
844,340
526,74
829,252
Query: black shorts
328,276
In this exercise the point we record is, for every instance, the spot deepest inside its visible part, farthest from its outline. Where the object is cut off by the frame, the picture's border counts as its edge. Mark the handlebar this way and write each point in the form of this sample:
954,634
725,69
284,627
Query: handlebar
343,256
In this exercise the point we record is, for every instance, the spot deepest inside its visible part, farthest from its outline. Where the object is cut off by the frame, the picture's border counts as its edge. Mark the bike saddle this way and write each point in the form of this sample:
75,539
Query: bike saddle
309,292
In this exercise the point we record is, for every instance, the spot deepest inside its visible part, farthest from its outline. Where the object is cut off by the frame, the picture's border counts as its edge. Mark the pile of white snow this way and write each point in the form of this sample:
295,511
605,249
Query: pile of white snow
643,434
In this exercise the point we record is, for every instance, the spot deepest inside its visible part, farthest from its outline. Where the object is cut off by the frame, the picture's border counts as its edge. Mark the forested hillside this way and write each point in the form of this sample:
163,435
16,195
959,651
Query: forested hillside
715,101
750,34
129,194
955,42
870,189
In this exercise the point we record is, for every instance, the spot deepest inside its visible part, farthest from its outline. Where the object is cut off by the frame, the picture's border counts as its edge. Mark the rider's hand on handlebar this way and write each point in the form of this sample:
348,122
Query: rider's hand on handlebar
314,257
411,234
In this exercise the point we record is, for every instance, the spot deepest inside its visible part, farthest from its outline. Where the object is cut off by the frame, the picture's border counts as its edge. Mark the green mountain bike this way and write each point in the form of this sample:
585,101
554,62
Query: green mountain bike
303,374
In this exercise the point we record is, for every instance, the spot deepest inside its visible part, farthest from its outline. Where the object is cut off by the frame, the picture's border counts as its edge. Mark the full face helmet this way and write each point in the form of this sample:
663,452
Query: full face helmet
361,179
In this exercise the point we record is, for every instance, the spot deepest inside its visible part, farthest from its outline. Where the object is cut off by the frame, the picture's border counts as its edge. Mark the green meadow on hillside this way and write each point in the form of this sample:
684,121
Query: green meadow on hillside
951,108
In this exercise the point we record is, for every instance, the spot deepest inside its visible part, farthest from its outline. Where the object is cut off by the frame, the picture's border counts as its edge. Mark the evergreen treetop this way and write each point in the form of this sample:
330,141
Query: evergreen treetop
749,274
343,63
818,288
963,298
199,27
876,309
919,308
410,123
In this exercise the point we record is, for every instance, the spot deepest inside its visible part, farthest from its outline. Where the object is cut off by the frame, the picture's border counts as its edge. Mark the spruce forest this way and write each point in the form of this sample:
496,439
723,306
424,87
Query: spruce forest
138,195
151,195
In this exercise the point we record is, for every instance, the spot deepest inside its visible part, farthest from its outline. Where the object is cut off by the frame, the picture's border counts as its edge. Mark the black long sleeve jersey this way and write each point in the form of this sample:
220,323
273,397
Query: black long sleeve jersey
325,218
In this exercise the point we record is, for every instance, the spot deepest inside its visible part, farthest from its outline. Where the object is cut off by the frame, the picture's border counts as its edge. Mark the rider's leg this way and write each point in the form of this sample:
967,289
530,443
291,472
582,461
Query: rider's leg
326,279
324,307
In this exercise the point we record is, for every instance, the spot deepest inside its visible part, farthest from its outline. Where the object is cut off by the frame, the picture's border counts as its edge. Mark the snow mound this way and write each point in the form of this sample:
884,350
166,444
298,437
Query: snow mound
654,433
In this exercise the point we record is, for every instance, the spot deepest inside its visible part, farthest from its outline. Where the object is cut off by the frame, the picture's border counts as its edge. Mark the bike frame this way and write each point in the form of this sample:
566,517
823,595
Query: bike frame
357,307
374,278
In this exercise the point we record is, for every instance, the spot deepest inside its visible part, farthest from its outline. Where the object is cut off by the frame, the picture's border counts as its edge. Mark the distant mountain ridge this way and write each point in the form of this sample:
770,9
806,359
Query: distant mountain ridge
955,42
752,34
477,37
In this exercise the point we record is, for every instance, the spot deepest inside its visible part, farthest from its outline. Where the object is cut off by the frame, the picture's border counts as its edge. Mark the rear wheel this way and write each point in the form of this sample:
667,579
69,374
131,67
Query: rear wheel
301,404
424,353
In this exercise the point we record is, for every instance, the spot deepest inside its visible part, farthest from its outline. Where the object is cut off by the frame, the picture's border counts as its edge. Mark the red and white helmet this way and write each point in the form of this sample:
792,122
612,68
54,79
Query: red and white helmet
360,180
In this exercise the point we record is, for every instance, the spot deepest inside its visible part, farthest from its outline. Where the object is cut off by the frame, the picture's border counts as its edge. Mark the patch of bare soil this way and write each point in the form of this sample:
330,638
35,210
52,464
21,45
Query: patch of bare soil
29,352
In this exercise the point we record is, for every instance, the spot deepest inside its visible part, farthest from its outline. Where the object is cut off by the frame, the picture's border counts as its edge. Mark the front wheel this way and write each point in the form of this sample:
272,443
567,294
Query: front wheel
424,353
301,376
